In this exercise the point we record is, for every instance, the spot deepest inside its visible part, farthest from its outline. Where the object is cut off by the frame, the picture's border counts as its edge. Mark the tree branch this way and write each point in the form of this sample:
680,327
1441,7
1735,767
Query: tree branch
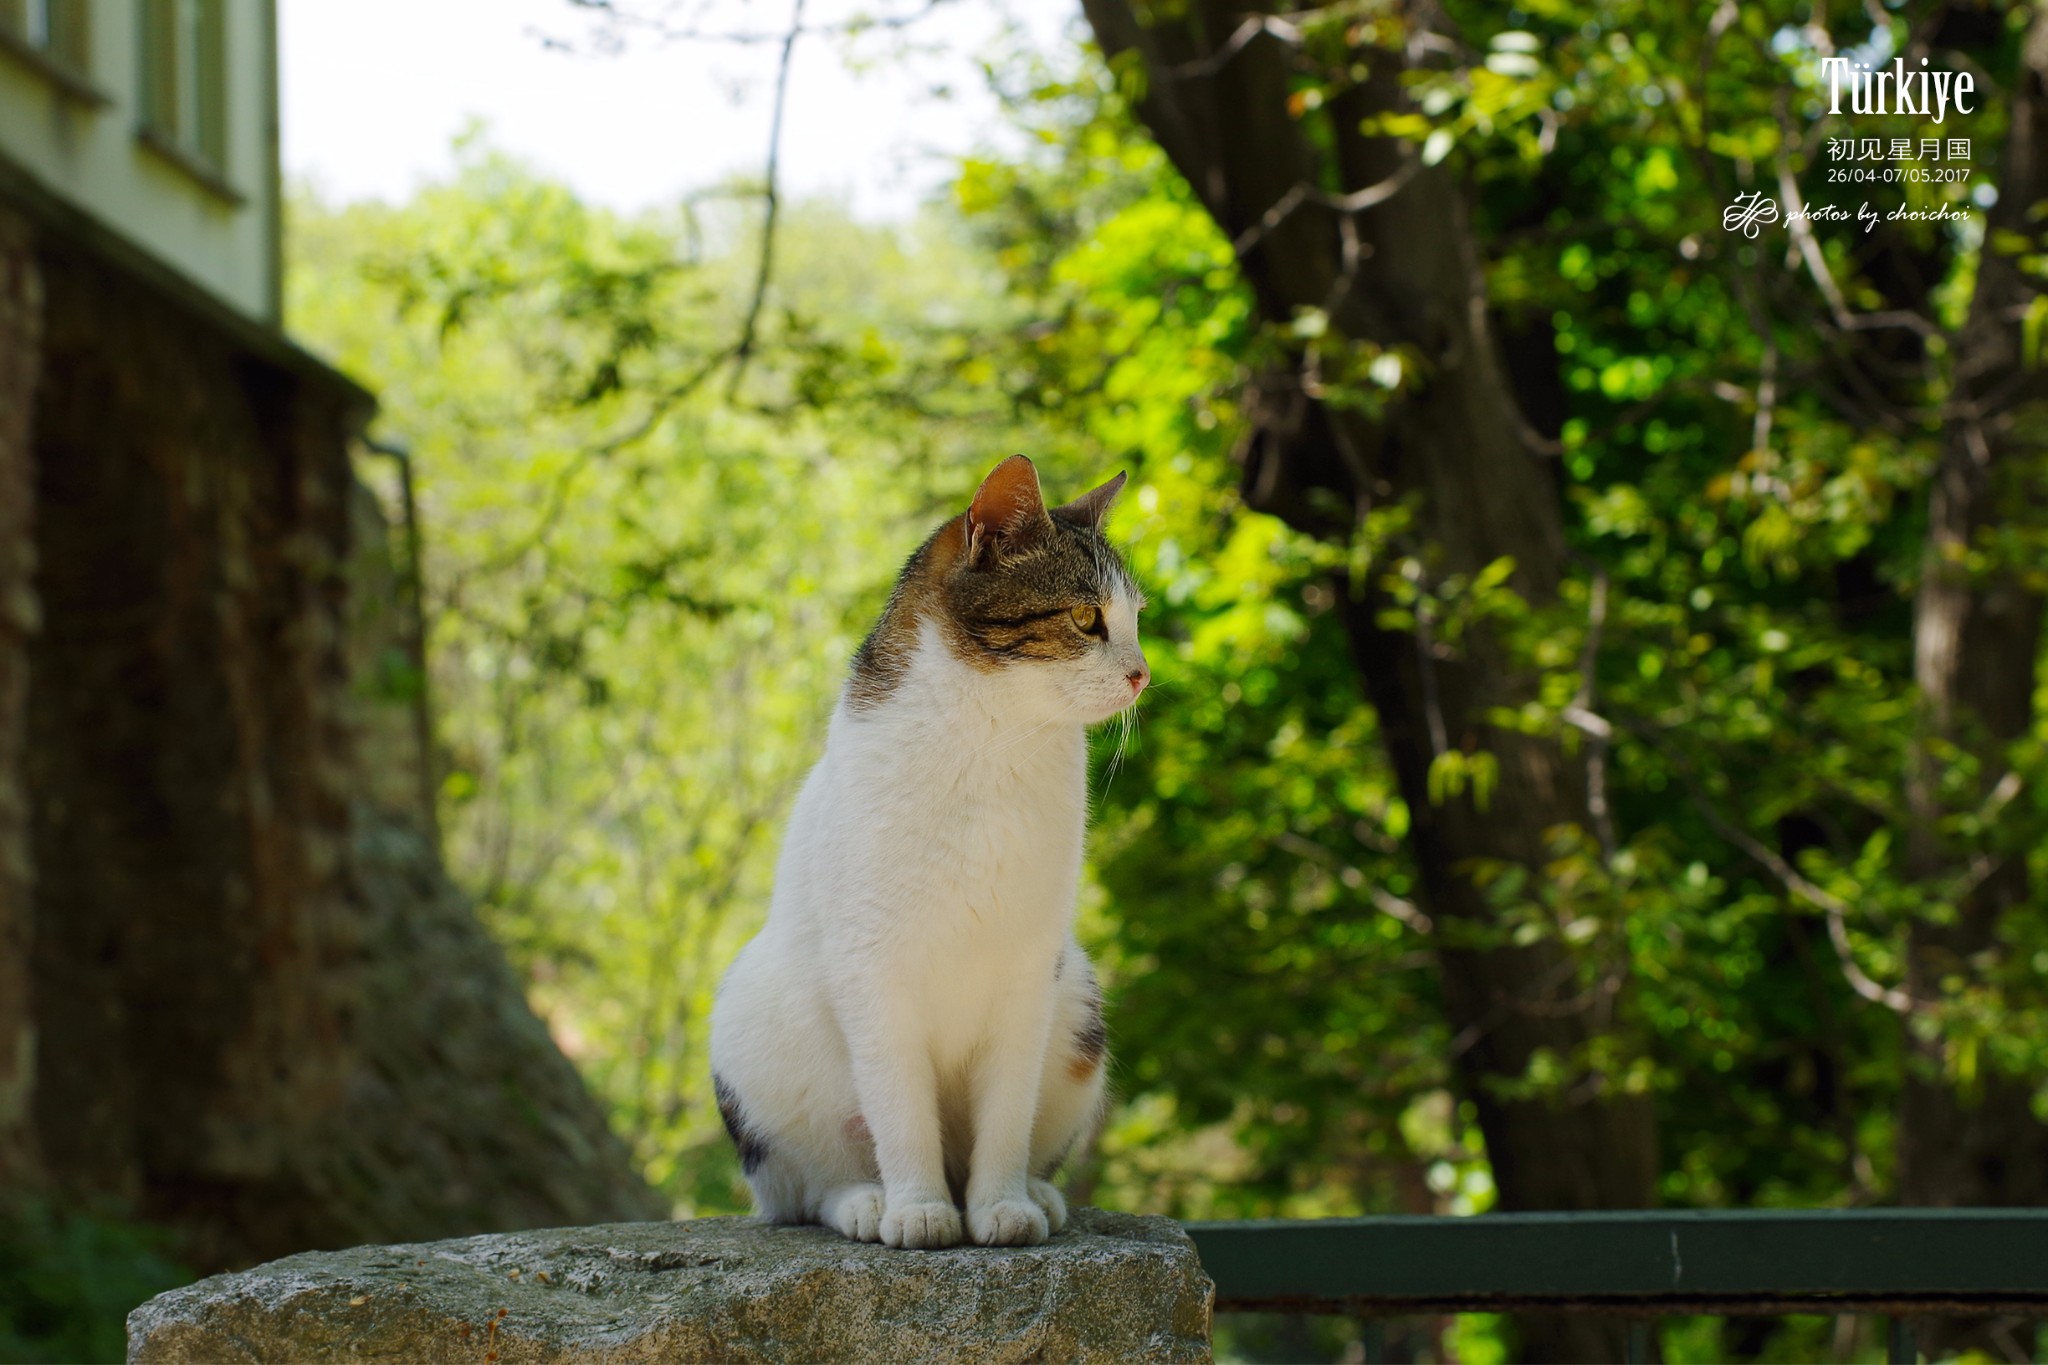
1597,739
659,27
772,198
1791,878
1215,61
1358,201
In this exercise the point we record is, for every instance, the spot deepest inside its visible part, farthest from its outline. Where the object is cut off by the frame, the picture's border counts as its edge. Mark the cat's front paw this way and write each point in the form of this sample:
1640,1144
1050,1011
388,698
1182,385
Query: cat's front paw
1051,1200
855,1210
934,1223
1008,1223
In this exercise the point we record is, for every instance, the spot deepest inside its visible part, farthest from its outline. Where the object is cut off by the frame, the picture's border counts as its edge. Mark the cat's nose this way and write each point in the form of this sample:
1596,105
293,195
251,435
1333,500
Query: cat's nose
1139,676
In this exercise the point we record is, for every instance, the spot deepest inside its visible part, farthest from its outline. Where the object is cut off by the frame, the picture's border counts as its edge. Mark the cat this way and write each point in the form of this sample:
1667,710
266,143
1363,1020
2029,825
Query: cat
915,1030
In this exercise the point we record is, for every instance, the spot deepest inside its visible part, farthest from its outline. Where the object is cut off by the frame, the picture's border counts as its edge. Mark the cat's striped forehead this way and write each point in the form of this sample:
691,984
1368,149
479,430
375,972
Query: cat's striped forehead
1071,566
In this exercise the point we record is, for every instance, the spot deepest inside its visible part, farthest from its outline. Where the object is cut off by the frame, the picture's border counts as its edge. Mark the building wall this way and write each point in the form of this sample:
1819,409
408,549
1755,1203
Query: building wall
220,233
187,738
21,319
256,1010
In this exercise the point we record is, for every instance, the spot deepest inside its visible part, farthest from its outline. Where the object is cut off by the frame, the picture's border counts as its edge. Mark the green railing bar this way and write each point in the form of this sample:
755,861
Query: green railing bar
1717,1261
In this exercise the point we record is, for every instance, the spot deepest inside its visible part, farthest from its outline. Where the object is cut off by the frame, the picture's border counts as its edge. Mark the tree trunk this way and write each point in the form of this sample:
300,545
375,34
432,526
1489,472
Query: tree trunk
1977,638
262,1014
1404,272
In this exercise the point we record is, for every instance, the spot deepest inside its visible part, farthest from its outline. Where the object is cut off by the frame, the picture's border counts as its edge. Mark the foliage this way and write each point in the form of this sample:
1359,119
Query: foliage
646,563
68,1279
1749,485
1749,532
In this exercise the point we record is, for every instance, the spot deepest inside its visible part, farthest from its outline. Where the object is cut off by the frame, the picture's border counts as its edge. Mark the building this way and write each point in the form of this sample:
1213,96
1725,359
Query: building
157,120
175,490
238,996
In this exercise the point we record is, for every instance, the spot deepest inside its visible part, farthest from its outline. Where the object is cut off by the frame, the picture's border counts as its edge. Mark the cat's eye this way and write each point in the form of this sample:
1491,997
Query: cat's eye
1089,619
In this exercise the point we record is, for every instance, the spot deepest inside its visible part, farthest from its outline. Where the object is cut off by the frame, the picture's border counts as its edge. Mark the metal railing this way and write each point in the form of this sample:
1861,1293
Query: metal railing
1643,1265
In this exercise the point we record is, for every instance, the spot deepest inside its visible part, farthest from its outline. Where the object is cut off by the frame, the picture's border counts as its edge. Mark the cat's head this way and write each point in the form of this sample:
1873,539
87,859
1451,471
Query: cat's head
1034,599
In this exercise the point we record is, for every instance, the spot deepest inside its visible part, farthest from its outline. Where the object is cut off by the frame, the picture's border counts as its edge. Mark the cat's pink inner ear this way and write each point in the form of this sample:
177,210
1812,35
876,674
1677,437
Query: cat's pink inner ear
1008,507
1091,507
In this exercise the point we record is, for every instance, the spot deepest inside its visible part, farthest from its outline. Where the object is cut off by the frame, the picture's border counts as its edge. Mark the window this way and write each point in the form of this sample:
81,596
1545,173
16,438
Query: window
53,29
184,77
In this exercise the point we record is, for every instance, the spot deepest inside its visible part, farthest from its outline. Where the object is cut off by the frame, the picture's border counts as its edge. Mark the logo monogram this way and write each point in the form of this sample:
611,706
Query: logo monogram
1749,214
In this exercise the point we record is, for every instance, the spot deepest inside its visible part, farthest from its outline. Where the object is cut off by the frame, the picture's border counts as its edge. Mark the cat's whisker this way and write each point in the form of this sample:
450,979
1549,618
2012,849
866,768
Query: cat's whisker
1127,721
1018,766
1005,742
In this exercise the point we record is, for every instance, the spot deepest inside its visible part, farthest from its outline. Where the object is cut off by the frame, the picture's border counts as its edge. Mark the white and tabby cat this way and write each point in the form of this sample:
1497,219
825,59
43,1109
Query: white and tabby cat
915,1029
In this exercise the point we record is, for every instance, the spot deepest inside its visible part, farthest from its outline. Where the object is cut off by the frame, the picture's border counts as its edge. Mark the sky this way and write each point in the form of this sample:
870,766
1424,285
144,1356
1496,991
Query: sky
375,93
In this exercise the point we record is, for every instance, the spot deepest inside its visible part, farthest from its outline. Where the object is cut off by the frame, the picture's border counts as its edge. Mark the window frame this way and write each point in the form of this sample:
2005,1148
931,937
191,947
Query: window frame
184,87
53,38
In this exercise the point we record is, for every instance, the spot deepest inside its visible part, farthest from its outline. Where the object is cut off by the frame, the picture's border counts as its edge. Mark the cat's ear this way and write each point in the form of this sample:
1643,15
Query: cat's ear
1008,512
1091,507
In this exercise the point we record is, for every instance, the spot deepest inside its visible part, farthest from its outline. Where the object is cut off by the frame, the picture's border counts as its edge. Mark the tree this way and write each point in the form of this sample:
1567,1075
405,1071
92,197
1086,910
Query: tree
1348,231
1978,1138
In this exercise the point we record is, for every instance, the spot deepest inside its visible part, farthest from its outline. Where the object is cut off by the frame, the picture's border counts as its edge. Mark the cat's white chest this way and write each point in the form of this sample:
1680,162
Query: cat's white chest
941,853
965,835
1009,843
993,904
